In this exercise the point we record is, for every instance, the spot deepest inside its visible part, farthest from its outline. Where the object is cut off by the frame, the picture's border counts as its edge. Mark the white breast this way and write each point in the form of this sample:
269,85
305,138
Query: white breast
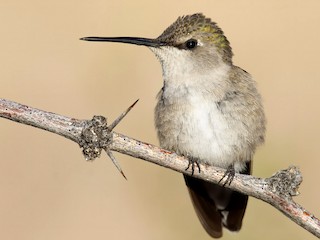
193,125
205,133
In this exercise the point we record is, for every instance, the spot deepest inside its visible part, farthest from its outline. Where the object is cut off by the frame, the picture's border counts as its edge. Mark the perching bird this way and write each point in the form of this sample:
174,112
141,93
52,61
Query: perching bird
208,110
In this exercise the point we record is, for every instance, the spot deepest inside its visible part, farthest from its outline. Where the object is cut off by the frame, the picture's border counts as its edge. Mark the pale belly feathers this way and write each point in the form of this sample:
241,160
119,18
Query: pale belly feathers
198,129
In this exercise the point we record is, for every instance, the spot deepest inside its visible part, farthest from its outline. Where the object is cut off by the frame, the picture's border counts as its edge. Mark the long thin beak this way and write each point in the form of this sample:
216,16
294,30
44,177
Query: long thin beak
131,40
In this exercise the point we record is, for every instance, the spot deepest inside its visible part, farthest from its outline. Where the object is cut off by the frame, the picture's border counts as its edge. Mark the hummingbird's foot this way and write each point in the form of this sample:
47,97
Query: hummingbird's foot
229,175
193,162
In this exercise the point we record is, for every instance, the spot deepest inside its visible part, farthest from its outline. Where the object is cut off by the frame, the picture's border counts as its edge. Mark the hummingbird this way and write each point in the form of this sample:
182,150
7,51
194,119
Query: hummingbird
208,110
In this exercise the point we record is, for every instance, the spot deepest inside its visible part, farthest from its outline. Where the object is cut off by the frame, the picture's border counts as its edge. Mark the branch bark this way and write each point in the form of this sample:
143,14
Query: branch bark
95,135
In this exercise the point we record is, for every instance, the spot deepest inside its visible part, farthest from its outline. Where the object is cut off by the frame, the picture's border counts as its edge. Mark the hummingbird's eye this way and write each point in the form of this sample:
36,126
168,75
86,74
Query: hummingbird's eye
191,43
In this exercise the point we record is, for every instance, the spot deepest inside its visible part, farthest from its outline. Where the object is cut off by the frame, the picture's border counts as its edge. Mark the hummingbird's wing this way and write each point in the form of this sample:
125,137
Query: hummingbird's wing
217,206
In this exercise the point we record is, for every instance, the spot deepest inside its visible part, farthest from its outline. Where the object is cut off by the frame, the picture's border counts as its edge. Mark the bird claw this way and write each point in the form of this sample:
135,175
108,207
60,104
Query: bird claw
229,175
193,163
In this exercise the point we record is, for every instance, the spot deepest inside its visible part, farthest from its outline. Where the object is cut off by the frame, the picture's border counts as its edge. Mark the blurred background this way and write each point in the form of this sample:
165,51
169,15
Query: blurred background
47,189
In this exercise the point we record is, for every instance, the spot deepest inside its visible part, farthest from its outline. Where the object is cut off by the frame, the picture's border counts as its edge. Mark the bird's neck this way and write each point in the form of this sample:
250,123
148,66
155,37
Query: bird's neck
181,84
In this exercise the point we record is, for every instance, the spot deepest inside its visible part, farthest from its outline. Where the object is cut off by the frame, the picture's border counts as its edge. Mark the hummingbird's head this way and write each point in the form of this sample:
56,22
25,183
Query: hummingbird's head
198,37
191,43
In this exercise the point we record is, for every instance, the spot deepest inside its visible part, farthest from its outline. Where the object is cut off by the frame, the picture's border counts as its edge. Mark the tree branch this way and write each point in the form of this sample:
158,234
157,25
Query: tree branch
94,135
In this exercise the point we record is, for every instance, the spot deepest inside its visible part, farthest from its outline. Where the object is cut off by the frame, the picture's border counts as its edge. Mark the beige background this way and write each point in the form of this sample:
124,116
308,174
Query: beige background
47,189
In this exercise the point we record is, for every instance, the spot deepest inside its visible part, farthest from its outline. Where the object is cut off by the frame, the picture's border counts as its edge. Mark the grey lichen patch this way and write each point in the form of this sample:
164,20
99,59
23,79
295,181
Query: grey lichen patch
286,182
95,137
